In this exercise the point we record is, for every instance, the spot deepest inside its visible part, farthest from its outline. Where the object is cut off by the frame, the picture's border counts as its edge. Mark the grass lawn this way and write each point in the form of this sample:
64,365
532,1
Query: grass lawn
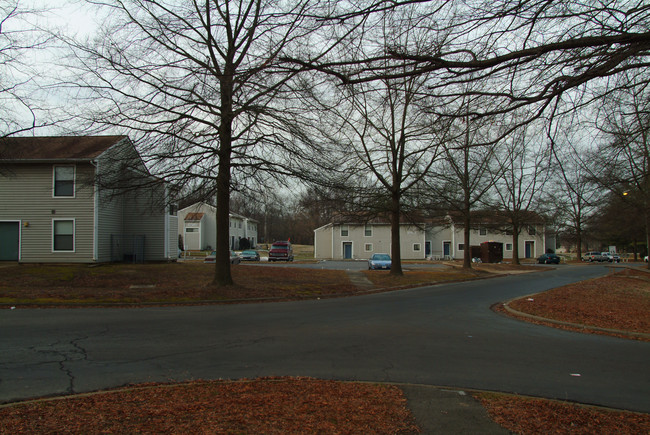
190,281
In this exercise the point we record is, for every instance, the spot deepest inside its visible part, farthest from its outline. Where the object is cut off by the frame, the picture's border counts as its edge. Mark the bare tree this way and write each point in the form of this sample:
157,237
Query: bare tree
18,37
530,52
623,158
385,140
521,172
462,178
199,84
577,199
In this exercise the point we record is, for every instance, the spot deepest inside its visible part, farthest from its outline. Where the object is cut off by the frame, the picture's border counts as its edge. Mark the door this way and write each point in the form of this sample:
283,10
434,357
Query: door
530,249
347,250
427,249
446,249
9,241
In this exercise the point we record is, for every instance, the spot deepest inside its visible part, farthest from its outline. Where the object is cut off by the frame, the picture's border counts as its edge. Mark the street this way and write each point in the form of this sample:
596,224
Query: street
444,335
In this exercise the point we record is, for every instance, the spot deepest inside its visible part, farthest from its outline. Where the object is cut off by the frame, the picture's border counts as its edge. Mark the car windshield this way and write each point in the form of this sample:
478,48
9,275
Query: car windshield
249,252
381,257
283,247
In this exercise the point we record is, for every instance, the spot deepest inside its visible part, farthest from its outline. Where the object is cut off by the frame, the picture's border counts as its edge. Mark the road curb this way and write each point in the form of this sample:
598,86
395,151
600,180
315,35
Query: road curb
578,326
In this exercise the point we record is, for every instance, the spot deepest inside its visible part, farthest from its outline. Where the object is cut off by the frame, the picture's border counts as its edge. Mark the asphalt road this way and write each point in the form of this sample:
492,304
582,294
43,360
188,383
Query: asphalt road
443,335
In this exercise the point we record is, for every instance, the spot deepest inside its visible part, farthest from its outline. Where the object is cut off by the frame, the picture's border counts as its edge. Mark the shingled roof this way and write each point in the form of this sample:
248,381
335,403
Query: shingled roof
55,148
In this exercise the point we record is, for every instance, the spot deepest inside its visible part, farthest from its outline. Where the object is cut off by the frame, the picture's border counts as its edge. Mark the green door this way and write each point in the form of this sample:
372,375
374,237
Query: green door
9,237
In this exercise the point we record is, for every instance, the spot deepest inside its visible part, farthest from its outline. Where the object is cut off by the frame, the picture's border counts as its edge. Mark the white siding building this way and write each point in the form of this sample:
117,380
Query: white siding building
439,240
198,228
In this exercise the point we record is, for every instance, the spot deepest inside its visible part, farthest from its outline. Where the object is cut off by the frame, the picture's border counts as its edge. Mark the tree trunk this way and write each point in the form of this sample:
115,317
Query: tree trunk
467,253
579,243
222,274
395,251
515,244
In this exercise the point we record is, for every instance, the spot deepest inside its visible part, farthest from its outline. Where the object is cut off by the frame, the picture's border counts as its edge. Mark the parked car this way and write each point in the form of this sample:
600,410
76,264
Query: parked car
612,257
212,258
593,256
549,259
250,255
281,251
379,261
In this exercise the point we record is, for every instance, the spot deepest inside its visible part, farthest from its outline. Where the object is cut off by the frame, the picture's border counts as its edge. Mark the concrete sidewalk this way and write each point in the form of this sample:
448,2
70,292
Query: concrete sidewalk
441,411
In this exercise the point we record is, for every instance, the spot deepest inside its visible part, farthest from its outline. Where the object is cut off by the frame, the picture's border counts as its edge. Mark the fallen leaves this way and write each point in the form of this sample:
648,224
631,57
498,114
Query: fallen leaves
619,301
269,406
536,416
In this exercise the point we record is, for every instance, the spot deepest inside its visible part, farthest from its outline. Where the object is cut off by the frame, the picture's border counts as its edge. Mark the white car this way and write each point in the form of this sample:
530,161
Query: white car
612,257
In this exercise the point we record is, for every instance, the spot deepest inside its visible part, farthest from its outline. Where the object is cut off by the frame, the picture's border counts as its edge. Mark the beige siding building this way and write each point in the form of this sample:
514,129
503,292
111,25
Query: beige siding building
59,202
198,228
360,241
440,240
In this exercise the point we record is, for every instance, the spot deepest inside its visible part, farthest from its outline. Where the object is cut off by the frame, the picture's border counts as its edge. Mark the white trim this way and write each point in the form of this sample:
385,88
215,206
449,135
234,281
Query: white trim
74,235
74,181
20,235
364,230
419,249
96,192
365,247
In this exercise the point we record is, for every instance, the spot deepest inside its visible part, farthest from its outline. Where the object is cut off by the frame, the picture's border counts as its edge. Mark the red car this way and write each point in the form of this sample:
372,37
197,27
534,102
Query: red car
281,251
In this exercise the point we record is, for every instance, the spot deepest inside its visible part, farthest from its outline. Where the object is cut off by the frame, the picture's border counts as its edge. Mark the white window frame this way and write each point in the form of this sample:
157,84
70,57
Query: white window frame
345,228
74,181
366,229
74,232
532,230
482,231
367,247
508,244
461,248
419,247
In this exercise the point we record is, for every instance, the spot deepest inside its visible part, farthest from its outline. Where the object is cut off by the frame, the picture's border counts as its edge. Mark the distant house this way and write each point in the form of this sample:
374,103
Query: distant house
446,239
353,240
437,239
198,228
81,199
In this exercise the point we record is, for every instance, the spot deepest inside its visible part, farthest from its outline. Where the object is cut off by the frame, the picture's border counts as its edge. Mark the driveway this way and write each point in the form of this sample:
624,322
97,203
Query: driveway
443,335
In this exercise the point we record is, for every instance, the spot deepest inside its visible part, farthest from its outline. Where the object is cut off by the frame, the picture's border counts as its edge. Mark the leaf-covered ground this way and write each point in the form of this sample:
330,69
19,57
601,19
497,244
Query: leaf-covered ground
618,301
280,406
539,416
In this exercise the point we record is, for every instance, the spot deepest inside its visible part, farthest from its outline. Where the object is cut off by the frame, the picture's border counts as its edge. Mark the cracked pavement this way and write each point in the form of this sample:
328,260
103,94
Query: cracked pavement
443,335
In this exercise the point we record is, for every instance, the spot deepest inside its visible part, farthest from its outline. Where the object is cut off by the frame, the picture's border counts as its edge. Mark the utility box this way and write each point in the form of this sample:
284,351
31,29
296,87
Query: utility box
491,252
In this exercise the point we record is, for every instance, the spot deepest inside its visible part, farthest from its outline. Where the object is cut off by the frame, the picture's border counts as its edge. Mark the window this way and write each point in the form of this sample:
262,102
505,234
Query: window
461,246
508,246
344,230
63,235
64,181
239,224
482,231
368,247
368,231
416,246
191,230
532,230
173,209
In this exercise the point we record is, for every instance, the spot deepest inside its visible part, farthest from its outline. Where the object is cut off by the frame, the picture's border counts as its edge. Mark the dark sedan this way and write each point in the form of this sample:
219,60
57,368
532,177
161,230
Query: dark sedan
549,259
